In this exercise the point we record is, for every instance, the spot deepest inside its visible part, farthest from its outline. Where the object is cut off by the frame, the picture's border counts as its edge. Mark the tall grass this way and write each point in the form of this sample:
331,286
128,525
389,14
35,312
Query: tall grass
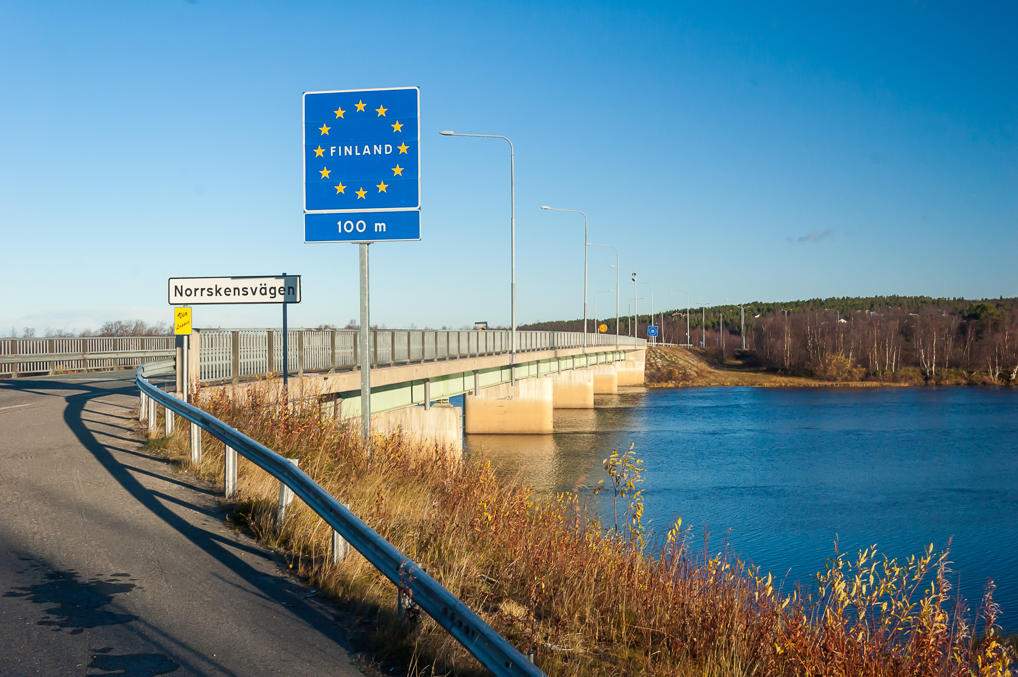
586,598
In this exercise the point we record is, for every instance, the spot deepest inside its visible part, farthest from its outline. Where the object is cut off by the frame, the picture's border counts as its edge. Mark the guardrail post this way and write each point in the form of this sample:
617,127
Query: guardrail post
167,421
285,496
235,354
153,410
407,609
142,406
229,471
195,443
340,546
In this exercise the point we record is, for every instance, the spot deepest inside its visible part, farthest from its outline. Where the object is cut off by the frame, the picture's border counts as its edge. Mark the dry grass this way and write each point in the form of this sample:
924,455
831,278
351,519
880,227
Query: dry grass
677,367
587,598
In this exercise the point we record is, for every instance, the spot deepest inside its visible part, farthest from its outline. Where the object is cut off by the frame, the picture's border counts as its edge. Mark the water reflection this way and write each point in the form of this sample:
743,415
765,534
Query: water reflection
571,458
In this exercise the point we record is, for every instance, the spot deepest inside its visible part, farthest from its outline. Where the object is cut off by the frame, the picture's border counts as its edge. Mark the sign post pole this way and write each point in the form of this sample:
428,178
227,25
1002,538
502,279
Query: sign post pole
184,382
286,353
364,348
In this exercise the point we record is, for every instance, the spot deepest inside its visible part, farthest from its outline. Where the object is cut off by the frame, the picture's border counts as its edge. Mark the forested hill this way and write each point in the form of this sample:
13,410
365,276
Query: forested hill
884,337
843,305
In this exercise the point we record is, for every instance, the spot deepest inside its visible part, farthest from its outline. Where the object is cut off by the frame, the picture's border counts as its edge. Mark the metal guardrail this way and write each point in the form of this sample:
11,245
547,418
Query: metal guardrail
232,354
489,647
19,356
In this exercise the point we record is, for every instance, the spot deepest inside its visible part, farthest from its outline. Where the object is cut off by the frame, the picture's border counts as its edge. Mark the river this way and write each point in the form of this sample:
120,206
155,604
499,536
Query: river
782,473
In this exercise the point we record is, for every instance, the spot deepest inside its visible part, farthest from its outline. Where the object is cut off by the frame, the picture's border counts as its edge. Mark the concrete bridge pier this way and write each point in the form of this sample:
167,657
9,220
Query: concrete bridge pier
440,424
606,380
529,410
573,389
631,372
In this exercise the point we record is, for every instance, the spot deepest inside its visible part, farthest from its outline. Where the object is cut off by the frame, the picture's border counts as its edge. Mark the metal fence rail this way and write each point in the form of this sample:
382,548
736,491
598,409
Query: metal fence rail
21,356
490,648
234,354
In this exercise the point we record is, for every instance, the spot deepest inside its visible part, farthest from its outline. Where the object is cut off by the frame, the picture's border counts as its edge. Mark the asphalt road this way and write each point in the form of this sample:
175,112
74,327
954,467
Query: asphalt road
112,564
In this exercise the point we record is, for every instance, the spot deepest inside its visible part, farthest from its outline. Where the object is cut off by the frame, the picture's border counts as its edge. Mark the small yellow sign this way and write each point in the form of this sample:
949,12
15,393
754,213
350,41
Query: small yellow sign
182,321
602,327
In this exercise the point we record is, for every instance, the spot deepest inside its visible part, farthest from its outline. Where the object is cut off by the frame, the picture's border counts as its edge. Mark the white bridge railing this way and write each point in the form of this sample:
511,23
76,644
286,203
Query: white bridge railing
23,356
233,354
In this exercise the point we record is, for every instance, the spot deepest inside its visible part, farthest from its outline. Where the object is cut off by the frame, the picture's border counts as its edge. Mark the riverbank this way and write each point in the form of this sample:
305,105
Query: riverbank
678,367
585,597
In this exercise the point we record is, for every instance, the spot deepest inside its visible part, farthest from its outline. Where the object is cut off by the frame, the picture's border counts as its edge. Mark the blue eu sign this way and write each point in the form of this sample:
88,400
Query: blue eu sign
362,166
652,331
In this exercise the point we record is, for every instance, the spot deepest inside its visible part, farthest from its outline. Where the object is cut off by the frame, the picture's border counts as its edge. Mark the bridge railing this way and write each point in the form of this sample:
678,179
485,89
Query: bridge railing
22,356
413,582
233,354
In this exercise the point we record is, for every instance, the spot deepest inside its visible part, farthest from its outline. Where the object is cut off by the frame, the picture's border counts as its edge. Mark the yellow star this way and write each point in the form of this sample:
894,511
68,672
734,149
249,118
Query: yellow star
361,193
398,127
339,111
360,106
397,171
402,148
340,188
325,172
324,129
381,186
381,111
319,151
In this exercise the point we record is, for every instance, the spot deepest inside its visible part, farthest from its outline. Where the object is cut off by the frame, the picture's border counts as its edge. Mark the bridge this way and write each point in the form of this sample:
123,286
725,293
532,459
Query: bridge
426,367
412,370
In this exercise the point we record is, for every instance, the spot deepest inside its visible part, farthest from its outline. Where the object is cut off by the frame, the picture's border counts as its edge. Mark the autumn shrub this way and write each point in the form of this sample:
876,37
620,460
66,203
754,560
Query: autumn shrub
837,367
581,596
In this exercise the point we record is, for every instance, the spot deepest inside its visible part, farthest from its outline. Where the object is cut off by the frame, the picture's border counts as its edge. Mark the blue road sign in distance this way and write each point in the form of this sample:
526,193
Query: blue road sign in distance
652,330
361,152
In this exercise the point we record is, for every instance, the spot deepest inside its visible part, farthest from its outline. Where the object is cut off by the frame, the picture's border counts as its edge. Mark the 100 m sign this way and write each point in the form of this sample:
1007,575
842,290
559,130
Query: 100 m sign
359,226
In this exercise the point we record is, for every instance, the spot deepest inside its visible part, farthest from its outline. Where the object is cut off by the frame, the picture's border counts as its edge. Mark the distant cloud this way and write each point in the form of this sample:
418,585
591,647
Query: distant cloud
814,236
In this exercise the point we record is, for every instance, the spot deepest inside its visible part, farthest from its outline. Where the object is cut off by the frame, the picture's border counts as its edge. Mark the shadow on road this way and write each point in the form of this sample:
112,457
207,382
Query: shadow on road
75,604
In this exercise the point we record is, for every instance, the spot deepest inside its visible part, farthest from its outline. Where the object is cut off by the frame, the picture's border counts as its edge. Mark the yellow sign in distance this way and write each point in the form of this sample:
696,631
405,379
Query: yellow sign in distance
182,321
602,327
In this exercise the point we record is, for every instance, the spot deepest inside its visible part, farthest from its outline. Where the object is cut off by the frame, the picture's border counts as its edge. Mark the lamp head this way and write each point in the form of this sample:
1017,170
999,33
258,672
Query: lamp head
447,132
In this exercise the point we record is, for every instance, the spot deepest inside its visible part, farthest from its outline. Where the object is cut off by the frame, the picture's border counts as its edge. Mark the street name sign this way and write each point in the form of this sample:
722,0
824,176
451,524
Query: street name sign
362,165
182,321
652,331
230,290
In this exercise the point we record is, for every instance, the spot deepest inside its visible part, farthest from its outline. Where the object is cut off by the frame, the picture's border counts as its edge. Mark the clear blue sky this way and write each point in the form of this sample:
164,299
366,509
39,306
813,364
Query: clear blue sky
759,151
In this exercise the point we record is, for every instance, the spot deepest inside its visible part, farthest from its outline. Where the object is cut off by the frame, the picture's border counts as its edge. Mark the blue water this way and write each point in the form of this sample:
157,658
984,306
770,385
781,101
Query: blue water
783,473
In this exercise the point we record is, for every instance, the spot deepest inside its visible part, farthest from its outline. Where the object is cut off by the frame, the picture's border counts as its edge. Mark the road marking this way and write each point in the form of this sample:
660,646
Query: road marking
16,406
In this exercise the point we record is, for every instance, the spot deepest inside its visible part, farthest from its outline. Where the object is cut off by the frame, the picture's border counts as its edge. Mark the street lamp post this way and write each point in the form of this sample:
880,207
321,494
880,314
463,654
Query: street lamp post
512,238
636,308
618,266
586,246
